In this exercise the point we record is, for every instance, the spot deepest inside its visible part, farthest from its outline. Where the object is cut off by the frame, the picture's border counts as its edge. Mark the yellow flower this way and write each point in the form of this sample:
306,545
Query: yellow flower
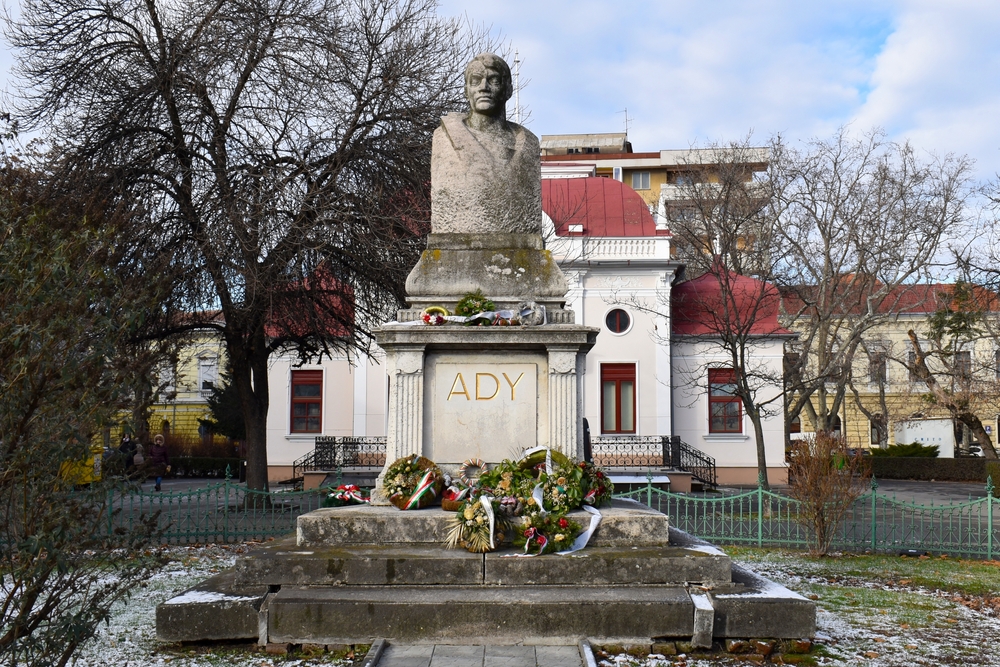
479,519
560,537
561,481
469,513
531,501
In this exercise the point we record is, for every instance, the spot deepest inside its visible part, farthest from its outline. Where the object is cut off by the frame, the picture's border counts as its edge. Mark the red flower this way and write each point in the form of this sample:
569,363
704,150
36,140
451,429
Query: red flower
563,523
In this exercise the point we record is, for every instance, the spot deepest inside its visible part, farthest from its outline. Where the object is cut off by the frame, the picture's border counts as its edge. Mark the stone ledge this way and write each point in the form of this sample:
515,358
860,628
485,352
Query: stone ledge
624,523
469,615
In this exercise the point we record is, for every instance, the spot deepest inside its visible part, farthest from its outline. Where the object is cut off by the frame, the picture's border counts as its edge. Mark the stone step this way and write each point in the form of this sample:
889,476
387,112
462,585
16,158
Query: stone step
415,565
624,523
474,614
464,655
216,609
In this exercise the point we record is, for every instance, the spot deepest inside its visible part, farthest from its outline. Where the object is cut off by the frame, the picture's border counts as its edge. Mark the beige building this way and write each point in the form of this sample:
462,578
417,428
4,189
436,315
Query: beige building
887,389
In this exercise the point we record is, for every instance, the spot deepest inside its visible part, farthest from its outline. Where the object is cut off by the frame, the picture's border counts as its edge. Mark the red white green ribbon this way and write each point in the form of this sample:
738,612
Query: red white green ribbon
349,493
426,485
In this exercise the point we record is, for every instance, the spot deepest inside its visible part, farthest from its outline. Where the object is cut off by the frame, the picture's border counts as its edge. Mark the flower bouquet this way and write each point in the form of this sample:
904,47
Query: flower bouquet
546,532
413,482
596,486
477,526
434,315
475,303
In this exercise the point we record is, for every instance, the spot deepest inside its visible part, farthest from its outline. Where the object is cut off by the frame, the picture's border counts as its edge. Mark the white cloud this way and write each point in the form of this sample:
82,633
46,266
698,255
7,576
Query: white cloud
694,71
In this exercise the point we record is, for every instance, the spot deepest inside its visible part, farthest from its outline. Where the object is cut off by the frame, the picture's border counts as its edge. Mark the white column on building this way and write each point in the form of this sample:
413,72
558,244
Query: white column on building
404,434
360,371
664,395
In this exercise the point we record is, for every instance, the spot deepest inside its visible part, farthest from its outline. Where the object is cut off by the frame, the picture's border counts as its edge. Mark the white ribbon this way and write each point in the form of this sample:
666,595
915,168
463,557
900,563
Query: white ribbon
581,541
487,503
538,496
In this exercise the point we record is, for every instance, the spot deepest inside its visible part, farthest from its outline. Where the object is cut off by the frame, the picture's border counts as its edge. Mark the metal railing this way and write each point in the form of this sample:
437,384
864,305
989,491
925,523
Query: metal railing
875,522
336,453
644,451
224,512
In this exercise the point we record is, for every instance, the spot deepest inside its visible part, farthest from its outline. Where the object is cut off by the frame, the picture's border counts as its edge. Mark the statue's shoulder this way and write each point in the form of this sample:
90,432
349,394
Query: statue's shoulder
526,139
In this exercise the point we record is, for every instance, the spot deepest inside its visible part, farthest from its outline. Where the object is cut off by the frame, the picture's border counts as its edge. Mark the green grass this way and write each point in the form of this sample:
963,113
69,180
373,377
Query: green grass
953,575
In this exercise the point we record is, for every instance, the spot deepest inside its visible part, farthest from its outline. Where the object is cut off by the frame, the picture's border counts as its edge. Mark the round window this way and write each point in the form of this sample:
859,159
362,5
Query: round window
617,321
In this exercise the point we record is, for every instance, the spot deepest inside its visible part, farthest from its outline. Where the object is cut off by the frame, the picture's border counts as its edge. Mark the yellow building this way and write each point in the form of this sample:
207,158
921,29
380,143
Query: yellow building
887,389
186,388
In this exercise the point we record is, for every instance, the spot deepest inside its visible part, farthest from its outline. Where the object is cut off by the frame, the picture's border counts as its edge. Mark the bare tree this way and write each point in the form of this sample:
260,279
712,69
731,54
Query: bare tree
858,220
720,219
278,151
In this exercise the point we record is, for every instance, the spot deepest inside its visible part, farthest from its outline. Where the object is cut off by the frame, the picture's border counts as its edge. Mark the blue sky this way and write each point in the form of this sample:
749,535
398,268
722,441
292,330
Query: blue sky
693,71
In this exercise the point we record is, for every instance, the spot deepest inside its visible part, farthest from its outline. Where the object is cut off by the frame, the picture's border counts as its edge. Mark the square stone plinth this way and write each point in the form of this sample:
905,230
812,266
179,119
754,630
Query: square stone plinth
623,524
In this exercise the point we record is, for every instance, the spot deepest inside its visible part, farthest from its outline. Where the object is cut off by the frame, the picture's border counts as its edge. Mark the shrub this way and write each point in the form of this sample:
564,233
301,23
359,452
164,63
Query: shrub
942,470
826,479
912,450
993,472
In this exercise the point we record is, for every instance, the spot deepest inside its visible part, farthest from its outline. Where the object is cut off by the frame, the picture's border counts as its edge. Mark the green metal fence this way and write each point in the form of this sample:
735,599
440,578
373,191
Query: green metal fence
229,512
875,522
224,512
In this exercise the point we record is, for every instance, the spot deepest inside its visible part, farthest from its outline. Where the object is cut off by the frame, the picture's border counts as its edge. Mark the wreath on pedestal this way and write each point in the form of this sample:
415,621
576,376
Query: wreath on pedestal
413,482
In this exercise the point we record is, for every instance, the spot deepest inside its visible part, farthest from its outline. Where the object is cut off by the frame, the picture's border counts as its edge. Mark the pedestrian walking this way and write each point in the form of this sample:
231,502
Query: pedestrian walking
159,459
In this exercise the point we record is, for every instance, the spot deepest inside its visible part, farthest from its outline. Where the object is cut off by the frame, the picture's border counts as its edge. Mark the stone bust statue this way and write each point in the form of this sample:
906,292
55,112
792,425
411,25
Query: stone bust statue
485,170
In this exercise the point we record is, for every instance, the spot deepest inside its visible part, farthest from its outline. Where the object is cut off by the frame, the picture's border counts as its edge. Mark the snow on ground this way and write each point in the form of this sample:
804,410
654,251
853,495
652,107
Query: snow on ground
129,637
860,623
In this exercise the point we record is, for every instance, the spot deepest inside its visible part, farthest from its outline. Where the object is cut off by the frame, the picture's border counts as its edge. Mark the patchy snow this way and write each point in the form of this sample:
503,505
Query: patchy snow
200,597
128,639
705,549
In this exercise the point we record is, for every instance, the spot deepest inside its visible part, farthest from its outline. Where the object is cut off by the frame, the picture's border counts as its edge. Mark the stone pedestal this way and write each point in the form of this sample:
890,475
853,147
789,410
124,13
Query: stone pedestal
508,268
457,393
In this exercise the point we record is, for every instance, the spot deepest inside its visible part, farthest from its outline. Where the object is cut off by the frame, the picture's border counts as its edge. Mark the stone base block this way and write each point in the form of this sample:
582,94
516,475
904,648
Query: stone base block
762,608
284,564
609,566
215,609
479,614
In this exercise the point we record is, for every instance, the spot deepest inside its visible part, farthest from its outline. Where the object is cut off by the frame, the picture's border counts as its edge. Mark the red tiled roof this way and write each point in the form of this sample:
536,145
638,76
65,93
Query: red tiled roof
903,300
701,307
319,303
604,206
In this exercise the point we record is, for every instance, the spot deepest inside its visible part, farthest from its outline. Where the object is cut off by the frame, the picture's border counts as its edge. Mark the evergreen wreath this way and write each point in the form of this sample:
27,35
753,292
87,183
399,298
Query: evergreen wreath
413,482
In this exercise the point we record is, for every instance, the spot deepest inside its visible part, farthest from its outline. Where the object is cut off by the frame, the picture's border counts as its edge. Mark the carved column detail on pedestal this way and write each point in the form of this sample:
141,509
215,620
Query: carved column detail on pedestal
406,408
563,412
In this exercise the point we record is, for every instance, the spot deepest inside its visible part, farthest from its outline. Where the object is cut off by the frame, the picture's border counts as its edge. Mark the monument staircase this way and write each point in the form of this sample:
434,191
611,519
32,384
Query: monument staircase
359,573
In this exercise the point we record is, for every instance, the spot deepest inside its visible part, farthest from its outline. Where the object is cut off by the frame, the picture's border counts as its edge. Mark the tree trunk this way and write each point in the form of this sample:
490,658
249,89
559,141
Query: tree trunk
758,433
249,368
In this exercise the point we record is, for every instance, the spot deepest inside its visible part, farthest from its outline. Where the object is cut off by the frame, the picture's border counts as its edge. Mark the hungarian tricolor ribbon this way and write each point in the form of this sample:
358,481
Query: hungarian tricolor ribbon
533,534
426,485
349,492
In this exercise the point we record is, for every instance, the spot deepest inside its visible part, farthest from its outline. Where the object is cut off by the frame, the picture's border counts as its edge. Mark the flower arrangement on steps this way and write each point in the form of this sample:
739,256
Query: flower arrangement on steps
527,502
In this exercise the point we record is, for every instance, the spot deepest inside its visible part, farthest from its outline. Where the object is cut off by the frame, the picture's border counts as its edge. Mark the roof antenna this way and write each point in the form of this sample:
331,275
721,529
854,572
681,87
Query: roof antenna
628,121
517,87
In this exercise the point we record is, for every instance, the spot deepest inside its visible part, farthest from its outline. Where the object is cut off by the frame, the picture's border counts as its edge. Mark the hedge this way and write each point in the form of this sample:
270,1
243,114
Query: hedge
198,466
971,469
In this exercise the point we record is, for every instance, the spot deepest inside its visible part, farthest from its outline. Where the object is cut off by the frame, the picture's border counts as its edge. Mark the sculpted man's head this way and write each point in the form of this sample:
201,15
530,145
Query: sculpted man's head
488,85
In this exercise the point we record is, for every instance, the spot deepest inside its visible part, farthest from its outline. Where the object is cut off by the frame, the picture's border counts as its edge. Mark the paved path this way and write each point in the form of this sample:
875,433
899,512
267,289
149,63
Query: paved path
445,655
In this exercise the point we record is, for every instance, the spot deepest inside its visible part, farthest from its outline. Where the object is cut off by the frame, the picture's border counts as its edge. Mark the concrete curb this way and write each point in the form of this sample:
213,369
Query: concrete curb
374,653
